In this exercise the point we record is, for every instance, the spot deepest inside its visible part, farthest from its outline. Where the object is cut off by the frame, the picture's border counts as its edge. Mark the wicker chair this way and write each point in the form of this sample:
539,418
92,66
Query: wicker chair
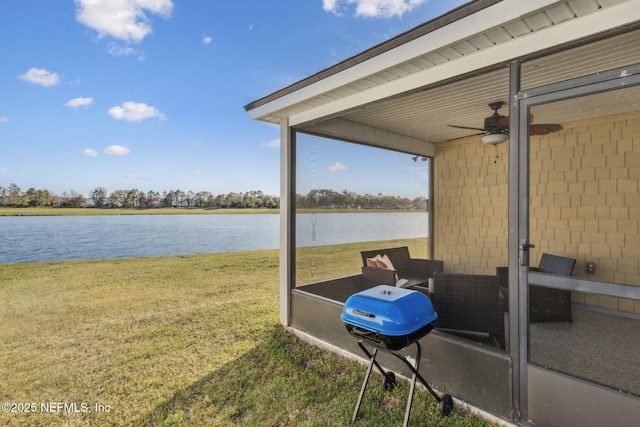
414,270
469,303
373,276
546,304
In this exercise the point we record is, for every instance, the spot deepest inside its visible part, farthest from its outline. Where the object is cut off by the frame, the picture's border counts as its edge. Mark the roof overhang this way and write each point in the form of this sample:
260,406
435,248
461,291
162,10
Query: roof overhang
404,93
476,36
423,29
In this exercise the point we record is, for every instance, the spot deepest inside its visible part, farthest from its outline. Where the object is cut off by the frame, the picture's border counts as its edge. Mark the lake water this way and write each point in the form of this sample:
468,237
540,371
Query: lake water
56,238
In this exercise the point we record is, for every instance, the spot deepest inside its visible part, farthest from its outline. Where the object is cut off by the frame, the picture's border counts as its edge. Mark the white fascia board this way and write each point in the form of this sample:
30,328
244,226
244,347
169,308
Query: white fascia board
462,29
613,17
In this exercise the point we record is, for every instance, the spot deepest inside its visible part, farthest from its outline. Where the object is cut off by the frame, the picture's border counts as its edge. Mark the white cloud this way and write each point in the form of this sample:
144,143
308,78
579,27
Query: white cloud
79,102
337,167
40,76
329,6
206,39
135,112
372,8
274,143
197,172
117,150
125,20
4,119
116,50
88,152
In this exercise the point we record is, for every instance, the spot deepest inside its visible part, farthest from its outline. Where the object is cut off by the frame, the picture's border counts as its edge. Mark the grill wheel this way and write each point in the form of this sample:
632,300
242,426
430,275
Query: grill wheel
446,405
389,381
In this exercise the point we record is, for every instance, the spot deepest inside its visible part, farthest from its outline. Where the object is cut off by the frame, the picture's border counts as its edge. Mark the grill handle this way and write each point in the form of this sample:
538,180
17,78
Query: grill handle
363,332
363,313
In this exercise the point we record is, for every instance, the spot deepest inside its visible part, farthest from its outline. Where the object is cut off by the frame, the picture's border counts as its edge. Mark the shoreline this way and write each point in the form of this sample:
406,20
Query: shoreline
178,211
130,211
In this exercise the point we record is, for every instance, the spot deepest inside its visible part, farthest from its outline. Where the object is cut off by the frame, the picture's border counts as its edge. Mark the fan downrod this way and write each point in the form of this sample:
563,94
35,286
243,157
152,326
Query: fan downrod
495,106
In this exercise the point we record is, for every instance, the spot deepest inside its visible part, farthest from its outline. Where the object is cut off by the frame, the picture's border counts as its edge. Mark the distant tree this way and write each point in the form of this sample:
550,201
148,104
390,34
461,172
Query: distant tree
219,201
167,199
72,200
203,199
141,199
249,200
178,198
190,198
99,196
36,198
131,198
117,198
14,196
233,200
153,199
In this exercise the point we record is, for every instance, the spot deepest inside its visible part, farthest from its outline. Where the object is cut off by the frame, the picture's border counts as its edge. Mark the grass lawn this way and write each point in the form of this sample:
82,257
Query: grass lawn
169,341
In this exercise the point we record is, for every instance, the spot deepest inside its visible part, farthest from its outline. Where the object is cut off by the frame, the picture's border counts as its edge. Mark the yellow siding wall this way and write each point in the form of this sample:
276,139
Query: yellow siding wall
585,204
470,203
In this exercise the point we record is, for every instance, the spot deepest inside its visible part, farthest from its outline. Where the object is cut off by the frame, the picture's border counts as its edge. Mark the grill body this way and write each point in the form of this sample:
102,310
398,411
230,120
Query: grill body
390,319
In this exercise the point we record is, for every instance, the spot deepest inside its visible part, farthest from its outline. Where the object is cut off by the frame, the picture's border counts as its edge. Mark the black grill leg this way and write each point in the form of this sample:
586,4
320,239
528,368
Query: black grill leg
366,380
414,370
407,413
446,407
446,403
371,356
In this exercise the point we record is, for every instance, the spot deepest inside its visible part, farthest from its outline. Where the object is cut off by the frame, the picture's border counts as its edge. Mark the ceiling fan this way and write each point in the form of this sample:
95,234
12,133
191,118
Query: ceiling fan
496,126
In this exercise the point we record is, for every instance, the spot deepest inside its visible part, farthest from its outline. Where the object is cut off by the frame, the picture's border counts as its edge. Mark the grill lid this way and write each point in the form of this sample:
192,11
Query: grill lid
388,310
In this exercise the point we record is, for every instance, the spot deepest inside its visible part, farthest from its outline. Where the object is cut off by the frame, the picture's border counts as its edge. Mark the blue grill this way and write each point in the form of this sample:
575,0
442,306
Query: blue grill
390,319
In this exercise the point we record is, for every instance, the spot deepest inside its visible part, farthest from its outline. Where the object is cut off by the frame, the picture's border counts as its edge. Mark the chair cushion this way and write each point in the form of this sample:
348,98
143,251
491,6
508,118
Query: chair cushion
380,261
383,262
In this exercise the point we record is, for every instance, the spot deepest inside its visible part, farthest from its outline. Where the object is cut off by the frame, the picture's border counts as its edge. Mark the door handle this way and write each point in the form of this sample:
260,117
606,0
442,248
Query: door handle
524,252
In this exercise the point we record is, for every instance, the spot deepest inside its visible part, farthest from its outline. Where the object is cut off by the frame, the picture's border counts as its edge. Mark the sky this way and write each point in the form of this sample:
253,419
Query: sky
150,94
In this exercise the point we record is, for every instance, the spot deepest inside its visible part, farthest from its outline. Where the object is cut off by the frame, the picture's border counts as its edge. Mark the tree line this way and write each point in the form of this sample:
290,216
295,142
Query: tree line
182,199
325,198
13,196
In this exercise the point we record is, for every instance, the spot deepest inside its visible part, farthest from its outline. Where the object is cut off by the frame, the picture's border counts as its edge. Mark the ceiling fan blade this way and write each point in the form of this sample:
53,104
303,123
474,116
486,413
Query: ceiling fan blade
467,127
543,128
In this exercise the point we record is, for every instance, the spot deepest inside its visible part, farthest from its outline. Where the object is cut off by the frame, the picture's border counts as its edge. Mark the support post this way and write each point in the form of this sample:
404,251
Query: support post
287,219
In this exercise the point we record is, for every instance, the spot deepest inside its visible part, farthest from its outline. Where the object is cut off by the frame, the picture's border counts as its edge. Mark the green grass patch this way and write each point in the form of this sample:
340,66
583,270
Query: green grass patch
172,341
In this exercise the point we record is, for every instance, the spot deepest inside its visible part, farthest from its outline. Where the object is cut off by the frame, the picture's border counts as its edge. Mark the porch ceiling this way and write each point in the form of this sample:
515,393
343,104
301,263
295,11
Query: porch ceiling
409,99
426,115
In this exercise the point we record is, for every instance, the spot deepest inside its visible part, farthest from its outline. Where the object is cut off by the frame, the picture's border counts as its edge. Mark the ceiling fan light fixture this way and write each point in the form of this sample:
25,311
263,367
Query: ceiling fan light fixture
495,138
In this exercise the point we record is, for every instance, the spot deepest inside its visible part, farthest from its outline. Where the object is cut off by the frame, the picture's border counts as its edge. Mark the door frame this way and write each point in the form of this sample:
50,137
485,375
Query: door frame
519,263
